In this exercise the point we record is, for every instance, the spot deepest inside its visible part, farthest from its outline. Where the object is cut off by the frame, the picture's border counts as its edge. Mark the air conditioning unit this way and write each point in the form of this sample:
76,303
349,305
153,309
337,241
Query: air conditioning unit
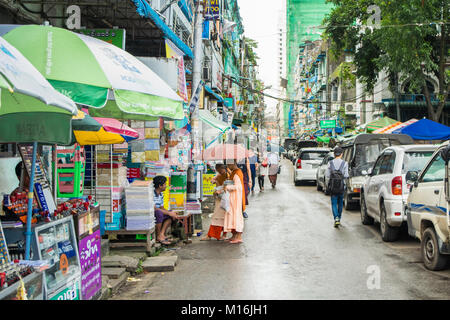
349,107
206,74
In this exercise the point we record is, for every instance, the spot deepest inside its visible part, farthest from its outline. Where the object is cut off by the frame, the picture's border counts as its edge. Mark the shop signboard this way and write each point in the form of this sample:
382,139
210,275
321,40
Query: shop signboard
114,36
212,10
208,185
71,292
327,124
91,278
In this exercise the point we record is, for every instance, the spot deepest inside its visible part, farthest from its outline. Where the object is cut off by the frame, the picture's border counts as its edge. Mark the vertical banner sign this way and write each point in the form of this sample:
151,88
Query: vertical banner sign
174,53
212,10
90,261
195,97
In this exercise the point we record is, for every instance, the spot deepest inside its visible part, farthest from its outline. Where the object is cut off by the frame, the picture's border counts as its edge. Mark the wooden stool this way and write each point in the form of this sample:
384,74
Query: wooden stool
186,220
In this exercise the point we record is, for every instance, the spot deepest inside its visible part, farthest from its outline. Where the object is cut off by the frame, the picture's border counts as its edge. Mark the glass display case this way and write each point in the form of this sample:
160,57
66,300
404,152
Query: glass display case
33,288
57,243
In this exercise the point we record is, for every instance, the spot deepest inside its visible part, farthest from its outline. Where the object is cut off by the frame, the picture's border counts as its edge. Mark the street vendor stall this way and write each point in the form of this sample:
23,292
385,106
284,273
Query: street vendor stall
33,112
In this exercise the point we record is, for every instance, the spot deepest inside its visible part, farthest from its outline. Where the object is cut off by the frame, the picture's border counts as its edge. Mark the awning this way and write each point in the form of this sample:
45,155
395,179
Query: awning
209,119
215,95
144,9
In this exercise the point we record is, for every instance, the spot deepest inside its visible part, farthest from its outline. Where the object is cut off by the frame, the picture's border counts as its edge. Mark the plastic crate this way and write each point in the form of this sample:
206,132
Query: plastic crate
117,222
70,172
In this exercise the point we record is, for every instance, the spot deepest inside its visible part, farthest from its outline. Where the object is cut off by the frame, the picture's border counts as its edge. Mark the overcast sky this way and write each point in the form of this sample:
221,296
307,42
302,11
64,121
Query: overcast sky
260,18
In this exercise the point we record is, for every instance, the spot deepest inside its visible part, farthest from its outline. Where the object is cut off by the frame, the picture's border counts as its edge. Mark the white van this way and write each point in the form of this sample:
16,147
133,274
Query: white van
428,209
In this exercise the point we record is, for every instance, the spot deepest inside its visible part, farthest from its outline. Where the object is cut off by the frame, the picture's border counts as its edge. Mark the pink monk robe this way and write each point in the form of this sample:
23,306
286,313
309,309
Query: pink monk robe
234,220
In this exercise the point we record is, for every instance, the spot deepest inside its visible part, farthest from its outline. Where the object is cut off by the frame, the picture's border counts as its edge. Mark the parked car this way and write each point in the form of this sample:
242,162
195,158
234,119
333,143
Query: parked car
360,152
301,144
384,193
307,163
322,181
427,209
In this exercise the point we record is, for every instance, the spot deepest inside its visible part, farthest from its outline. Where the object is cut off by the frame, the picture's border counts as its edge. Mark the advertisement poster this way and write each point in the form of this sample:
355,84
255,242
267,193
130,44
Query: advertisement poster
90,258
208,186
178,190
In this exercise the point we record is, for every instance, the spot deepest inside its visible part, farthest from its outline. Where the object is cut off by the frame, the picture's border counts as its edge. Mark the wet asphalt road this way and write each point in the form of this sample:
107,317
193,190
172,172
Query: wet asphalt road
292,251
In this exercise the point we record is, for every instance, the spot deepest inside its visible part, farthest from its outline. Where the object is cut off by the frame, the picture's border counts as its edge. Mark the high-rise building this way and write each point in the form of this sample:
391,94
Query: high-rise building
303,22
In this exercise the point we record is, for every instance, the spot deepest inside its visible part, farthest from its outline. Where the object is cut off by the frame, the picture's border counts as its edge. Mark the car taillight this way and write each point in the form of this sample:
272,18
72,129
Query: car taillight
299,163
397,186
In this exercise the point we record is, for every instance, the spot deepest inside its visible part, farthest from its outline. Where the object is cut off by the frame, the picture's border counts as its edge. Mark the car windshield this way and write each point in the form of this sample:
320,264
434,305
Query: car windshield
367,154
415,161
313,155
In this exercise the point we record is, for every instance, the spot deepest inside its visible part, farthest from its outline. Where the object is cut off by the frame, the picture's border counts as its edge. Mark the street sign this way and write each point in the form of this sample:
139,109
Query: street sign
327,124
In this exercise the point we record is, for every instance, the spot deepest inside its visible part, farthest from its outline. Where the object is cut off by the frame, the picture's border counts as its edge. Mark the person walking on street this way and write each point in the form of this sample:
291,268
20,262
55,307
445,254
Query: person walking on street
336,174
261,172
253,160
273,160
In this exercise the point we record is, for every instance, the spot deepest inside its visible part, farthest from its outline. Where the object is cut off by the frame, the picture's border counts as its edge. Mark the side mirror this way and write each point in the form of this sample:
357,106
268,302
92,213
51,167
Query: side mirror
412,177
364,173
369,171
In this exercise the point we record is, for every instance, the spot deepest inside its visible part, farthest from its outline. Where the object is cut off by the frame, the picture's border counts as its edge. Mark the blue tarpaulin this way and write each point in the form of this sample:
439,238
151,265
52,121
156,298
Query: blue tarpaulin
144,9
426,130
216,96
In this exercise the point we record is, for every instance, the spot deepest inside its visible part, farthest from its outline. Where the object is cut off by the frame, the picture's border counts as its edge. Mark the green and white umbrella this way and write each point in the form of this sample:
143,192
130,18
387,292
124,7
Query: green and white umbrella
94,73
30,109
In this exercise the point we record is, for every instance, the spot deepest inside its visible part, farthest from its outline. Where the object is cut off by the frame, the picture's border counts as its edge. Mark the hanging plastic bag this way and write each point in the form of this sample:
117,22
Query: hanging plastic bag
225,201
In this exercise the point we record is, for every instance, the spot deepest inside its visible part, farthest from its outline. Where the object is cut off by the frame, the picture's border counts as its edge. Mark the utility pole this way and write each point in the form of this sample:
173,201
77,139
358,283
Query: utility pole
196,78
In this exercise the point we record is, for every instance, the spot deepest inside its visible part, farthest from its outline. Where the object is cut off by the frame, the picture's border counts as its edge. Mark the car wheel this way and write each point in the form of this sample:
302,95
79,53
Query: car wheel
319,187
365,218
432,258
347,204
388,233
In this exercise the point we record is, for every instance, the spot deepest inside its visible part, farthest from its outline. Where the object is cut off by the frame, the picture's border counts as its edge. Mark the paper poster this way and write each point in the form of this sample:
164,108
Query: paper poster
208,186
177,201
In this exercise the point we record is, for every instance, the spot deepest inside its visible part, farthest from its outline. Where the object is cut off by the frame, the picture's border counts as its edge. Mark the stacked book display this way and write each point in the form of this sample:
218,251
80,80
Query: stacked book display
140,212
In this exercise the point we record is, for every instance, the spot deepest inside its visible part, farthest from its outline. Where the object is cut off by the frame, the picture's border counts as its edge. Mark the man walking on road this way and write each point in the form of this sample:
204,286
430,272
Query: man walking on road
337,172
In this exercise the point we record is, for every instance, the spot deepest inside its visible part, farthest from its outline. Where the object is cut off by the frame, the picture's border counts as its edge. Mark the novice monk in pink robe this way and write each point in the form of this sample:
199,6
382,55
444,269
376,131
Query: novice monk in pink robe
234,220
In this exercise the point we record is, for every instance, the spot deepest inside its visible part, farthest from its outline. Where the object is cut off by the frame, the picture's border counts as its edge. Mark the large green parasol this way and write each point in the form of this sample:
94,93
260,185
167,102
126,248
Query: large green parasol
96,74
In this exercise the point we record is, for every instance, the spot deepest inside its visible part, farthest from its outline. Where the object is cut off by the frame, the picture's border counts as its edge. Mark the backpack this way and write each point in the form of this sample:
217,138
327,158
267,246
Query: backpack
336,184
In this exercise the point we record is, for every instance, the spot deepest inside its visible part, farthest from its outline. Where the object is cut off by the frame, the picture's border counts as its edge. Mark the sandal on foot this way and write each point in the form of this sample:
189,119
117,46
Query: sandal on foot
165,242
